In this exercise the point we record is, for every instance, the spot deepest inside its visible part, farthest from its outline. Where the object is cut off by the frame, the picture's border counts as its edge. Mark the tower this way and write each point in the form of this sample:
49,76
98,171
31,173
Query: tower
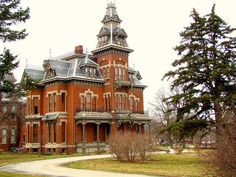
112,52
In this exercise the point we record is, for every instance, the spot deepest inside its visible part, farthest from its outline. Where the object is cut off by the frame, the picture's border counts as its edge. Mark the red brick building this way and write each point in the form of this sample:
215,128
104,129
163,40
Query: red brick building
81,98
11,123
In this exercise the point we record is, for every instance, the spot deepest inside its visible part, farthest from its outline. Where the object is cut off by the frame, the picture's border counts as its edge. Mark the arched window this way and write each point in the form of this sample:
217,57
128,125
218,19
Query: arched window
131,104
136,106
120,102
123,73
120,73
82,106
116,73
124,102
116,102
104,73
94,106
88,101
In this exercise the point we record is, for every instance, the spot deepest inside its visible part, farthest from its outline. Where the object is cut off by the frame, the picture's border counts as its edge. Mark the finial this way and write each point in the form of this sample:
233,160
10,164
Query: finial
111,2
86,57
26,62
50,53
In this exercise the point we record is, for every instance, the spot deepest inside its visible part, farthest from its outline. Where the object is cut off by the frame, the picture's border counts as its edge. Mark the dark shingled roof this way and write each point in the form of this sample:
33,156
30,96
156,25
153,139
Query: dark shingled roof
61,67
35,74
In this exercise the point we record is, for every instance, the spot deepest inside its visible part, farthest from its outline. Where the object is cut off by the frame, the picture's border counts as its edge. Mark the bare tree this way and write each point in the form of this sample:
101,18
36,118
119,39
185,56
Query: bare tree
223,159
163,115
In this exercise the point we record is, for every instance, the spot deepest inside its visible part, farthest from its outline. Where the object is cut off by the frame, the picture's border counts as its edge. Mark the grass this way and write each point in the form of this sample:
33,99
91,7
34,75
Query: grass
8,158
9,174
159,165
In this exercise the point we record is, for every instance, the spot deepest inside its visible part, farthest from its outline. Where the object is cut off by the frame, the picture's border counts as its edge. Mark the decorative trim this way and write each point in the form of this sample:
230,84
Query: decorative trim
35,96
133,96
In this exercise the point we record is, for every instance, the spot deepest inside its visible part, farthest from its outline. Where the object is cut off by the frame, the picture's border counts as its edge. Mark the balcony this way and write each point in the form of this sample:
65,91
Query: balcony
121,83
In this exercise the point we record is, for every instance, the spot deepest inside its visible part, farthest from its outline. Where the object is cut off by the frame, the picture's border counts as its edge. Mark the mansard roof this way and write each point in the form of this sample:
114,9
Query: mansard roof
103,31
120,32
34,73
60,67
135,77
80,67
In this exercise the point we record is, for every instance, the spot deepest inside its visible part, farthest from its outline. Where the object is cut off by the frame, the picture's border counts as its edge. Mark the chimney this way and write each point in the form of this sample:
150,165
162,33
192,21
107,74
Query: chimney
79,49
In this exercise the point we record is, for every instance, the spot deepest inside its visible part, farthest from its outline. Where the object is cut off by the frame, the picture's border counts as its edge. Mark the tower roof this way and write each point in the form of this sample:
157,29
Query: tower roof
111,35
111,14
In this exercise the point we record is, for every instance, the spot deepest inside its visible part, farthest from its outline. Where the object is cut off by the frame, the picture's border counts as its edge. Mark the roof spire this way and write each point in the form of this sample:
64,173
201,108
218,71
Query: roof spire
111,2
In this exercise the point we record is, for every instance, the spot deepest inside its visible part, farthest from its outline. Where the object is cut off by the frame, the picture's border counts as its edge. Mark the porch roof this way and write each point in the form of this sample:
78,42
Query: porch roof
83,115
132,116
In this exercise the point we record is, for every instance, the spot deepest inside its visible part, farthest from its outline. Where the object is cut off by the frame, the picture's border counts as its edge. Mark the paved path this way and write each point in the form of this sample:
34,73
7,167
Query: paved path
52,167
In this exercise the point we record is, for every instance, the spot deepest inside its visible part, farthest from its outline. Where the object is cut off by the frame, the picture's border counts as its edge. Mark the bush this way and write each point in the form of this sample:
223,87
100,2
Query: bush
223,158
131,146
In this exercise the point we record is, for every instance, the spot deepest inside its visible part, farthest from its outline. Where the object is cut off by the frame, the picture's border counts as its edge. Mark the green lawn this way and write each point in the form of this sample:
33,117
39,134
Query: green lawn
8,174
160,165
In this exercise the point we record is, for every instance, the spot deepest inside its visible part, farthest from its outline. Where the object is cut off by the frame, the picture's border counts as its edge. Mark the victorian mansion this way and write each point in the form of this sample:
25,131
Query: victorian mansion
81,98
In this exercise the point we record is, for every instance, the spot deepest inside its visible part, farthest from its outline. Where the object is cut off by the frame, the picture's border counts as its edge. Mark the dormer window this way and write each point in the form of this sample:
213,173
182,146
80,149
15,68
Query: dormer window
90,72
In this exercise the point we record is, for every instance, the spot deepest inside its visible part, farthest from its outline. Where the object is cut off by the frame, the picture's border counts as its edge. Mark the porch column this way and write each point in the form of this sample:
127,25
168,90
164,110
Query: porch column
84,137
105,132
98,132
76,133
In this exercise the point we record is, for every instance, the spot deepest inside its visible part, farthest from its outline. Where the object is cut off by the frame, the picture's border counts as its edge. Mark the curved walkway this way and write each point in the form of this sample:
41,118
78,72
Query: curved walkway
52,167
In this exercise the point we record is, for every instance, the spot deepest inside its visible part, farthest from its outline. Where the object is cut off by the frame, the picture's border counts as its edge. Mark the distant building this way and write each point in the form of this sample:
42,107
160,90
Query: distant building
81,98
12,115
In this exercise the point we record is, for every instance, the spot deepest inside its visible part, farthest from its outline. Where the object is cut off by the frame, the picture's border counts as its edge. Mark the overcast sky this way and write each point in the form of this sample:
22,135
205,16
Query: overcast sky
152,26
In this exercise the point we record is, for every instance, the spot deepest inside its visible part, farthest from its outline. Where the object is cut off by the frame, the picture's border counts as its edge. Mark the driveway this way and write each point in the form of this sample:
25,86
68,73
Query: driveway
52,167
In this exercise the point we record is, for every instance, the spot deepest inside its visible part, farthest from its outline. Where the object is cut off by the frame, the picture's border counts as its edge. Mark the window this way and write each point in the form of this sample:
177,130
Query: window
54,132
13,109
4,109
88,101
94,72
35,133
63,132
136,105
35,105
82,103
104,73
49,103
13,135
107,71
4,136
94,107
54,102
120,102
63,101
107,103
120,73
124,102
28,133
131,104
116,73
28,106
123,73
116,102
